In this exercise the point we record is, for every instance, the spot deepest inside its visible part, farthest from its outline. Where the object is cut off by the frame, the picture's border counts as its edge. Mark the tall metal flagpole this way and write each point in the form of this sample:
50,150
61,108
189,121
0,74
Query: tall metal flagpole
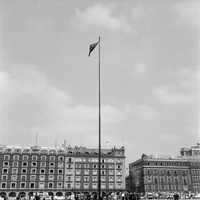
99,164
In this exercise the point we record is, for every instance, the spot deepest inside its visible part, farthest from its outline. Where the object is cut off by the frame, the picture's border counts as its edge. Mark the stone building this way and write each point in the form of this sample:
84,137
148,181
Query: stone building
166,173
34,169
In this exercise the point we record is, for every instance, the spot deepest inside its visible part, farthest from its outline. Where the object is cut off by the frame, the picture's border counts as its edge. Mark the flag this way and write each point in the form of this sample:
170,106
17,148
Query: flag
92,47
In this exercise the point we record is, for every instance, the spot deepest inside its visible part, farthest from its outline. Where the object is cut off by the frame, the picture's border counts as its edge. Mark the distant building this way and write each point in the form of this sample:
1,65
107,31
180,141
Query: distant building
166,174
34,169
193,151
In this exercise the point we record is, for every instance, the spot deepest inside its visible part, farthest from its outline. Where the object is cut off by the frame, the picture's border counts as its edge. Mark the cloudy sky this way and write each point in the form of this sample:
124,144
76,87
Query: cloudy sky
150,73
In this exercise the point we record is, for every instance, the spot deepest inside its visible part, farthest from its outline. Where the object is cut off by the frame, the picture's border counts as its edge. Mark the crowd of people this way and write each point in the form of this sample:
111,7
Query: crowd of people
93,196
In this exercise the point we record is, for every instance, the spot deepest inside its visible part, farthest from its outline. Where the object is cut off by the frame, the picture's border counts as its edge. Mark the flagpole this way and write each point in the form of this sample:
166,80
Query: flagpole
99,163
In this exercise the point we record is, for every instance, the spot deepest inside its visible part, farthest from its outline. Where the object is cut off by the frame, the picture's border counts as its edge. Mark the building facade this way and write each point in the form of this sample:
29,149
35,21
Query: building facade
34,169
193,155
166,174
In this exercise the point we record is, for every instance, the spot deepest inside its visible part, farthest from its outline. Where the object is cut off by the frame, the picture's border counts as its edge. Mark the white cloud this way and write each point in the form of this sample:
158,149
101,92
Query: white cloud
165,95
101,16
189,12
140,68
29,103
144,112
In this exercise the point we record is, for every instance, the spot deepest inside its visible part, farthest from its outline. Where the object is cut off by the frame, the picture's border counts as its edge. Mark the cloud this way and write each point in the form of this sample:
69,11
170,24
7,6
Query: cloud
30,104
101,16
143,112
189,12
140,68
167,95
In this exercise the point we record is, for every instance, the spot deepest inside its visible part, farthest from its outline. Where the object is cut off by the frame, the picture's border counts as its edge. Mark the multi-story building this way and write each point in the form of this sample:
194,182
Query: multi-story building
34,169
193,155
166,173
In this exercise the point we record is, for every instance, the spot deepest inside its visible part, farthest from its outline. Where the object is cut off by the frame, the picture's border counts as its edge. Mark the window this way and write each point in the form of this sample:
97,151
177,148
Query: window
60,171
22,185
111,172
119,172
69,178
78,178
34,164
43,164
52,164
52,158
34,157
6,157
4,177
51,171
59,177
43,158
24,171
51,177
25,157
86,179
32,178
4,171
13,185
14,170
86,185
50,185
102,172
94,185
78,171
42,171
70,160
15,157
41,185
3,185
111,185
60,158
32,185
111,178
15,164
42,177
33,171
78,185
5,164
24,164
23,177
69,166
94,179
103,178
59,185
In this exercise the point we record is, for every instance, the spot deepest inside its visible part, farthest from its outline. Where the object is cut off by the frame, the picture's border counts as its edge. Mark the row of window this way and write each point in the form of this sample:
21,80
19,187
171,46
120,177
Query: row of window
52,164
166,180
41,185
59,177
58,171
61,158
32,171
195,172
173,163
168,187
167,172
35,158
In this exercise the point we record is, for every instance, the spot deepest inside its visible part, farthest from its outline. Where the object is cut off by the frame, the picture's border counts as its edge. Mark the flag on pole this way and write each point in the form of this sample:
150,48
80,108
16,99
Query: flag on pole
92,47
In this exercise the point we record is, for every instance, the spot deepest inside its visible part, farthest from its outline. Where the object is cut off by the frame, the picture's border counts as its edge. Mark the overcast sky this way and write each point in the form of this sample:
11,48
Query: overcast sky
150,73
